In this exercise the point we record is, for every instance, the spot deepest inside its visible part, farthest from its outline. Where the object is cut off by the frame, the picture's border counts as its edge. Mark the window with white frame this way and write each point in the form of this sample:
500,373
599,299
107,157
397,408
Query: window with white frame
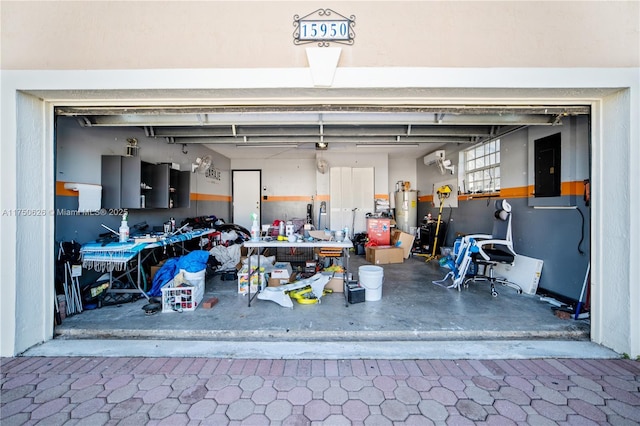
482,168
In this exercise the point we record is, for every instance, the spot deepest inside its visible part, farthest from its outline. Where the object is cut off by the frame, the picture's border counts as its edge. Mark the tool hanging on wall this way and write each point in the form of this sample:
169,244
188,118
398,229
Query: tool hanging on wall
309,214
443,193
323,212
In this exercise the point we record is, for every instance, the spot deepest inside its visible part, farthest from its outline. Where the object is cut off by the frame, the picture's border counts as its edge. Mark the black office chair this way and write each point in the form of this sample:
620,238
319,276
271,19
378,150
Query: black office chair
495,248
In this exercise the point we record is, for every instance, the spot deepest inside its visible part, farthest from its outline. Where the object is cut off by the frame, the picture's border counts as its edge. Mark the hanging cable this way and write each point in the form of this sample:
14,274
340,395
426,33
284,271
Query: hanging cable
581,232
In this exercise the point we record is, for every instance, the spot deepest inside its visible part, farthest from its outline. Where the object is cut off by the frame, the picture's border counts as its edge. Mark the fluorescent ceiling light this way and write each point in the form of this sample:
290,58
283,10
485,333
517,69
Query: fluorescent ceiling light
389,145
263,145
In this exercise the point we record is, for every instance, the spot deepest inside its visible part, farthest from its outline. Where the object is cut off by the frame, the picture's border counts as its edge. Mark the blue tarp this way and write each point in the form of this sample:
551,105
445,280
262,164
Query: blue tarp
193,262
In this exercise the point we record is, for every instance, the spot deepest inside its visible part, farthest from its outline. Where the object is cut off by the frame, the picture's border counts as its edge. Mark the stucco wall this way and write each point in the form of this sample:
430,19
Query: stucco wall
547,51
250,34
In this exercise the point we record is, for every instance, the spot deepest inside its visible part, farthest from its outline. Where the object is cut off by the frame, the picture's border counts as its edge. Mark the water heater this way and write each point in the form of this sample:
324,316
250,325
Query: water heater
407,211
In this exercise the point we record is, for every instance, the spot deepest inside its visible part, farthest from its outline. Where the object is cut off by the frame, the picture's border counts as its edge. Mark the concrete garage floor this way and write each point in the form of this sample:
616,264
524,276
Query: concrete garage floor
412,309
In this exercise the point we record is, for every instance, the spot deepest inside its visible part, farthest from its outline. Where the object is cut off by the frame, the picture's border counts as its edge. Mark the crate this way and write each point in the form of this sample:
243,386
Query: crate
294,254
185,296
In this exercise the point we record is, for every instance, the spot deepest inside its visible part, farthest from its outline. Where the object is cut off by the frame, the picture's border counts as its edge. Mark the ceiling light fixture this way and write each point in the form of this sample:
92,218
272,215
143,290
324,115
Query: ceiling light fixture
322,146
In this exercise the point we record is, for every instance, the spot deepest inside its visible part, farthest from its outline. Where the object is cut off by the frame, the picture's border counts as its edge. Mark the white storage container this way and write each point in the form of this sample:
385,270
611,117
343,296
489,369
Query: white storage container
282,270
183,293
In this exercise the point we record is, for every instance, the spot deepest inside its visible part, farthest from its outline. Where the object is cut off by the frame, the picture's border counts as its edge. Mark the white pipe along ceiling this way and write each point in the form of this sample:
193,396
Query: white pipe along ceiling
321,127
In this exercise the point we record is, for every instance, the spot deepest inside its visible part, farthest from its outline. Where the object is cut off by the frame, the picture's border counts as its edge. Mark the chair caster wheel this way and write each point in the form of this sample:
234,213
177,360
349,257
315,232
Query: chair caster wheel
494,293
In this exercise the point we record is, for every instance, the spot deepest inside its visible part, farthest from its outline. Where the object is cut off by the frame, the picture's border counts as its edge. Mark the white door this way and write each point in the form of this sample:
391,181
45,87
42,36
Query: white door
352,197
363,198
341,195
245,196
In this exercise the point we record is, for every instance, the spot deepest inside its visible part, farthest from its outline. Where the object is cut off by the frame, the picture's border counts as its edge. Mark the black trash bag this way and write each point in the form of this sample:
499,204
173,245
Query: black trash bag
359,241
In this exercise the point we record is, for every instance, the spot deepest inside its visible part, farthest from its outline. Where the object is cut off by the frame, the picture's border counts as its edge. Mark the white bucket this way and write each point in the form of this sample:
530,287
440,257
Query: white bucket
371,277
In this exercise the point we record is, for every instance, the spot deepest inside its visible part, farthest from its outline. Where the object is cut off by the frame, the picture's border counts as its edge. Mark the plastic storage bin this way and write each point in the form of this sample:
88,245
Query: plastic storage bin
186,296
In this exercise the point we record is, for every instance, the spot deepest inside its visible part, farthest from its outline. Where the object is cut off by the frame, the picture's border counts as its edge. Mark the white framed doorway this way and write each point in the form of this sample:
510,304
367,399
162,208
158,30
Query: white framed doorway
245,196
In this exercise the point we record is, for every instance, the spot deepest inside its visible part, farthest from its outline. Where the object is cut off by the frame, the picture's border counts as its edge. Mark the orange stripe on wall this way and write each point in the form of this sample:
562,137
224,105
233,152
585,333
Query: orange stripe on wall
516,192
572,188
275,198
64,192
566,189
194,196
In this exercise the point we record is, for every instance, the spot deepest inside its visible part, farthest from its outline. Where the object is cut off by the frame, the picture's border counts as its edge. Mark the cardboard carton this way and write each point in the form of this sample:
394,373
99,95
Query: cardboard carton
276,282
335,284
402,240
154,270
382,255
282,270
256,280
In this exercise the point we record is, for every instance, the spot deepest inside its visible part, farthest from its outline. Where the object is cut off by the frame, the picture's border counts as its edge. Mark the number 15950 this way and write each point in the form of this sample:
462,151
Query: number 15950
324,30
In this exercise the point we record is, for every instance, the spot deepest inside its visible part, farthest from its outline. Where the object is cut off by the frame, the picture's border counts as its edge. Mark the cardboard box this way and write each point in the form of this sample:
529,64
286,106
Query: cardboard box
242,263
277,282
335,284
402,240
155,269
256,280
282,270
382,255
379,231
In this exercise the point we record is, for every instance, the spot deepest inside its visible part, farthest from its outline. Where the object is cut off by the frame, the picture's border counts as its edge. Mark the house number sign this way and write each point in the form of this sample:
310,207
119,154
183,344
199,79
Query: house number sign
324,26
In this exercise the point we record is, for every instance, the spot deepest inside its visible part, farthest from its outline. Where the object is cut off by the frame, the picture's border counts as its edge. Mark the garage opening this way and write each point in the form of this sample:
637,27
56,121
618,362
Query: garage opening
310,159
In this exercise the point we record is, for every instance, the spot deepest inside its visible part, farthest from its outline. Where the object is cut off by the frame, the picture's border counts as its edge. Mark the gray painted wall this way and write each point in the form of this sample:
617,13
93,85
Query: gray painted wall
553,235
78,159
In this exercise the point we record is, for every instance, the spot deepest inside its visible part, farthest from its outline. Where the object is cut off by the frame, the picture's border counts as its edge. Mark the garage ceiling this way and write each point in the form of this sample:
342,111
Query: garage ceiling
300,130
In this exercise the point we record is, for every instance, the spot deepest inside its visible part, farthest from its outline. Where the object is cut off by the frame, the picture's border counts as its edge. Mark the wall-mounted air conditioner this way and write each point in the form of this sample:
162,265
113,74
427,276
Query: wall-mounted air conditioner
431,159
